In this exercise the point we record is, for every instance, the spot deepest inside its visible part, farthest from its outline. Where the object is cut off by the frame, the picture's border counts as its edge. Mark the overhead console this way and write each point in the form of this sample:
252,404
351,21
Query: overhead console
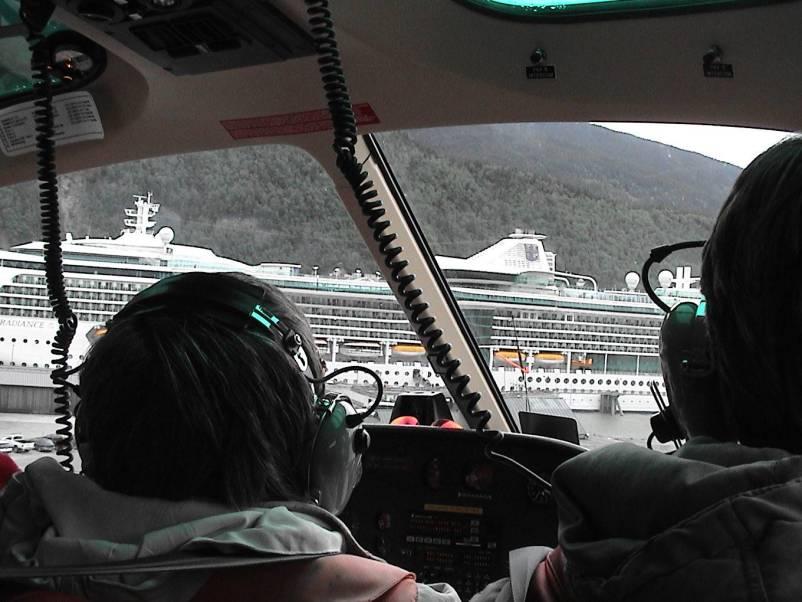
432,502
188,37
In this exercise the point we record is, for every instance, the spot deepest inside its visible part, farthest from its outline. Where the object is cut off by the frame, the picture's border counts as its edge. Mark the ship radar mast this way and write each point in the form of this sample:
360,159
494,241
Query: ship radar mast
138,220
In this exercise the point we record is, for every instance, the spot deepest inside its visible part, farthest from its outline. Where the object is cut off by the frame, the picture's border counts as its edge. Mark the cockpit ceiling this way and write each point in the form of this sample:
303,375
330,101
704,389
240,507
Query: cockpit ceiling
427,63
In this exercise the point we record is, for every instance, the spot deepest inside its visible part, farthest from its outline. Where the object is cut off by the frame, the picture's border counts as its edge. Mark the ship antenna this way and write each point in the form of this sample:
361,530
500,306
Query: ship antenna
521,363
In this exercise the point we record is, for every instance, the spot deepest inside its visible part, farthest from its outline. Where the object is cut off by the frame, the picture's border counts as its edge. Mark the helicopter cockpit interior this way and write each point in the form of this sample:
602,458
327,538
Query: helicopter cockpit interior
135,80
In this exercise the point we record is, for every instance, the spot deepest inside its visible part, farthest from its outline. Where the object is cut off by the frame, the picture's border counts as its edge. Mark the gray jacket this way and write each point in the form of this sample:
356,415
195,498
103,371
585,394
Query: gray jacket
49,517
716,521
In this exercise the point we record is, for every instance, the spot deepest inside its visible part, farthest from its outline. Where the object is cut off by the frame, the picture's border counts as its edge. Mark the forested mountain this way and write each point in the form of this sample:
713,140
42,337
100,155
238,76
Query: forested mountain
603,198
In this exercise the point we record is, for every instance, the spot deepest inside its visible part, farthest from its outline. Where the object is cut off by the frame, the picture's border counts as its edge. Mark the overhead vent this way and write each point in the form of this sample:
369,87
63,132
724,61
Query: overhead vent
189,37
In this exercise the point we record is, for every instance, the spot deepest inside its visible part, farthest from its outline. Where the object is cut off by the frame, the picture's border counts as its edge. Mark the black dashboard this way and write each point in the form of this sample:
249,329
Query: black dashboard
433,502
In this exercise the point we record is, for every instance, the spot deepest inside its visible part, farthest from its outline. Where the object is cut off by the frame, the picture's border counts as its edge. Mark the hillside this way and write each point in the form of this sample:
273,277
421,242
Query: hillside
603,198
594,158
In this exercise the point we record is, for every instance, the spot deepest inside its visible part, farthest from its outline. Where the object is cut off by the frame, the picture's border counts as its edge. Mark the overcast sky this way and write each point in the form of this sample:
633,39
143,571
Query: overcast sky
733,145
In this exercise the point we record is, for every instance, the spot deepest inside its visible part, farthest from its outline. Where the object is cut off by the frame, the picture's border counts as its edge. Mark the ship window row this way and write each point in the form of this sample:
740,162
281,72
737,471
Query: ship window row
553,336
96,296
333,311
549,343
350,332
95,283
589,322
88,269
29,279
585,381
580,335
347,313
27,313
16,340
38,296
350,302
571,318
523,325
25,302
34,365
362,321
316,321
44,313
24,364
117,285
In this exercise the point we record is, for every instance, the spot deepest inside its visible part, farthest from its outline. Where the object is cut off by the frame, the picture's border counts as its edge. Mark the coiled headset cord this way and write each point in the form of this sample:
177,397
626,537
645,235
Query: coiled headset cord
345,139
35,15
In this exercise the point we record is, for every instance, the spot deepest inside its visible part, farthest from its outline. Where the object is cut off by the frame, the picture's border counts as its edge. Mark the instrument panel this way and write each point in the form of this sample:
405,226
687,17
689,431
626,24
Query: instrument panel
433,502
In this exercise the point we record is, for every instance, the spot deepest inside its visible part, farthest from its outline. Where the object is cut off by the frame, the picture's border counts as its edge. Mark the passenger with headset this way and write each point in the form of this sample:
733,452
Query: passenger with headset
720,519
204,428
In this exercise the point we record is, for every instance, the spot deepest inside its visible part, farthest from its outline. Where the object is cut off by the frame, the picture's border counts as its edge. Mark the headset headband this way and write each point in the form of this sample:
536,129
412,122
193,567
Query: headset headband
657,255
240,304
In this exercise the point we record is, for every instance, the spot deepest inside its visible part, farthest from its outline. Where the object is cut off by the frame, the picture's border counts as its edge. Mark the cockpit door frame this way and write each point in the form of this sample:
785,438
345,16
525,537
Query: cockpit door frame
429,279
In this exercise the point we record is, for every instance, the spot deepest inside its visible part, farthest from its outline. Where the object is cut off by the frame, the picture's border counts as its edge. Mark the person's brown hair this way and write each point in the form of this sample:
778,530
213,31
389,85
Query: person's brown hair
752,280
177,405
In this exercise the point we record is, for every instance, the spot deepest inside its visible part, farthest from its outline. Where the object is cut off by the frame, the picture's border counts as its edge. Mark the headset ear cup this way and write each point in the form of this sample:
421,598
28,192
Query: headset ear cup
335,466
690,376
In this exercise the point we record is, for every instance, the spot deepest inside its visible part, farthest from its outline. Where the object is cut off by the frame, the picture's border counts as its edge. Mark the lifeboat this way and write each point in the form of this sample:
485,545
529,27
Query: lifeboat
360,351
408,350
511,357
549,358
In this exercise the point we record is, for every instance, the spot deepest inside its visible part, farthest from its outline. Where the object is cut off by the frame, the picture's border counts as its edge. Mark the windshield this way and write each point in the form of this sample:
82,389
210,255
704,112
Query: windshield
270,212
541,231
535,226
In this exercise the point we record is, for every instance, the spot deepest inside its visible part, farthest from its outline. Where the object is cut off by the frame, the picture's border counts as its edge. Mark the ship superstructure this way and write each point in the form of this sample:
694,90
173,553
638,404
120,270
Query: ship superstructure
539,328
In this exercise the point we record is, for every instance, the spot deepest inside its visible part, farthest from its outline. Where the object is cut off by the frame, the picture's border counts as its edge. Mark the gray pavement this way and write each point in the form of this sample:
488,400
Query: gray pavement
29,426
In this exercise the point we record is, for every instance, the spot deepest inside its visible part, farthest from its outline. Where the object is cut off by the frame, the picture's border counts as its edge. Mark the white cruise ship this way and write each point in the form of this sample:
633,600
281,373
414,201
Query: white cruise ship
541,330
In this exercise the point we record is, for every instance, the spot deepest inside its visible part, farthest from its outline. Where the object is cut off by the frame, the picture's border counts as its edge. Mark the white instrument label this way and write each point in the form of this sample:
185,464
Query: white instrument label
75,119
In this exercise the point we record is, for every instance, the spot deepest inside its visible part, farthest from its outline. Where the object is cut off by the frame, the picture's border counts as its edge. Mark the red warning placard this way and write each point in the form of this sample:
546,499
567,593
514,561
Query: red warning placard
291,124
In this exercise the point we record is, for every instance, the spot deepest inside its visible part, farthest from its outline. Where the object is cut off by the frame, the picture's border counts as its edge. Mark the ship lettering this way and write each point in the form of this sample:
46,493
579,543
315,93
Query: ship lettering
20,323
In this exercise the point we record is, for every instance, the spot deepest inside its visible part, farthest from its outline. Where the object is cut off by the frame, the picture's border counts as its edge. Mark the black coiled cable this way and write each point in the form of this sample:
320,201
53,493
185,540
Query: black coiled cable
345,139
51,233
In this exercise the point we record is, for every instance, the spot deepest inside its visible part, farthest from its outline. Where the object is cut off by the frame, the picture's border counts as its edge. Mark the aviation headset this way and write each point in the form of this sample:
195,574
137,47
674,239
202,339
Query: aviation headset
686,362
335,466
